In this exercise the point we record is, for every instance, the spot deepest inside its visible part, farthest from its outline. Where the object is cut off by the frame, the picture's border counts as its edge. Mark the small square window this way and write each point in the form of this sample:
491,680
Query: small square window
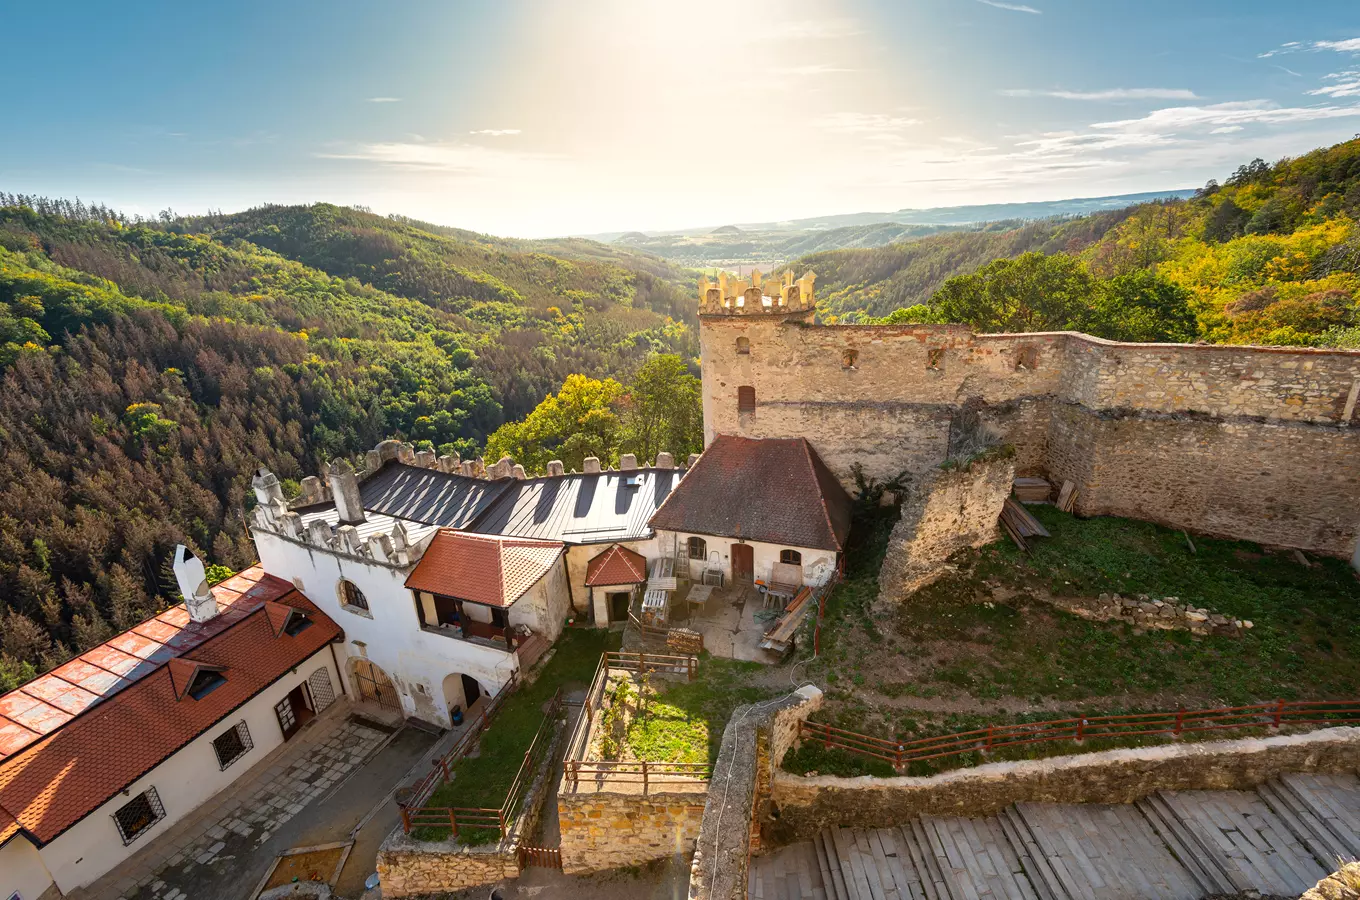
849,358
934,358
232,744
746,399
138,814
698,549
743,345
792,557
1027,358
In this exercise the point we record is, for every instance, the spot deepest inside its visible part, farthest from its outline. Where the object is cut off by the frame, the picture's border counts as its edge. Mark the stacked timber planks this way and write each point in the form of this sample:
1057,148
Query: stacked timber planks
1017,522
780,636
1032,490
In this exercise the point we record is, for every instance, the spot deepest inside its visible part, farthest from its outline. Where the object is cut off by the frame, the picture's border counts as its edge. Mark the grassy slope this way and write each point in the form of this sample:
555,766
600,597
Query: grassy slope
956,657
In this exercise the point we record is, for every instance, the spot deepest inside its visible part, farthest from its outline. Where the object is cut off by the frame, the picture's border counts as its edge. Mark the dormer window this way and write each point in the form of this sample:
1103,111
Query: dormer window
297,623
205,682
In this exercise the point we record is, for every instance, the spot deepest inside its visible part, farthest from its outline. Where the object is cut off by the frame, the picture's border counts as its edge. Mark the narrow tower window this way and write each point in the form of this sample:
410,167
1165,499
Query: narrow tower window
746,399
743,345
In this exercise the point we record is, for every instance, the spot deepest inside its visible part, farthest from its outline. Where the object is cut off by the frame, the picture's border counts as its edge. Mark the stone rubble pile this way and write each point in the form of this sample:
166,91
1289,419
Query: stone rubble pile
1166,613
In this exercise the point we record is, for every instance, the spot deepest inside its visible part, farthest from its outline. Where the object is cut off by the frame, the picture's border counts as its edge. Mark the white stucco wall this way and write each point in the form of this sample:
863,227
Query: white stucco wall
22,871
817,564
578,559
417,661
191,776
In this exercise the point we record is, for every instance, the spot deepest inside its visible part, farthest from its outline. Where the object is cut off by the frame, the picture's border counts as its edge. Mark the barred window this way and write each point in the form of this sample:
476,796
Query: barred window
350,595
232,744
138,814
746,399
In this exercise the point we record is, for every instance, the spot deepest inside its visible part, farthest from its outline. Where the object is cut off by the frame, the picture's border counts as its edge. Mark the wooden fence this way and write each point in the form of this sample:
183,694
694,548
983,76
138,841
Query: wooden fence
644,772
1171,724
540,857
415,814
824,593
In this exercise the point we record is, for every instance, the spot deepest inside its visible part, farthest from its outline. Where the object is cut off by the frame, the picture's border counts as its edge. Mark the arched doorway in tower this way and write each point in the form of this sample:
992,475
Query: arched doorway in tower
461,692
372,684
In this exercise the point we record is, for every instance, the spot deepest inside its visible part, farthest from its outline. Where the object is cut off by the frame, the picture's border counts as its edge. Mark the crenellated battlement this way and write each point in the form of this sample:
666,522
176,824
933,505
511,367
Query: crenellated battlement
756,295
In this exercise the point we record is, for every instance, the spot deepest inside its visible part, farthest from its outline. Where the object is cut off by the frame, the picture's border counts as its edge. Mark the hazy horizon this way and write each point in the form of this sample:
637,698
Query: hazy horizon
557,118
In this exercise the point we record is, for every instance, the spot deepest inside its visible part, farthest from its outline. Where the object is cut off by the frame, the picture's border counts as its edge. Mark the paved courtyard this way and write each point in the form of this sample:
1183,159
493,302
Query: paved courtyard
337,763
733,622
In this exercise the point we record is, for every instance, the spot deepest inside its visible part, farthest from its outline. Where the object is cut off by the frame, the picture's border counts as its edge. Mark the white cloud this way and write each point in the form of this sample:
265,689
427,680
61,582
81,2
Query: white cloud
1227,129
496,132
384,99
869,125
1344,84
812,29
1013,7
1349,45
813,69
441,156
1242,112
1111,94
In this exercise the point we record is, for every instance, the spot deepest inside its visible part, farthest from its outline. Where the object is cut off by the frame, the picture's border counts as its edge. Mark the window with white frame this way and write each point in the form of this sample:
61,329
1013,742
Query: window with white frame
139,814
232,744
698,549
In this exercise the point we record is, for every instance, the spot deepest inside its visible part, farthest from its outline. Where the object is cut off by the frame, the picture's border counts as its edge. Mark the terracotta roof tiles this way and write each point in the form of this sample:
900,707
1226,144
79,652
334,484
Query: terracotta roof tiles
775,490
495,571
51,700
67,765
617,565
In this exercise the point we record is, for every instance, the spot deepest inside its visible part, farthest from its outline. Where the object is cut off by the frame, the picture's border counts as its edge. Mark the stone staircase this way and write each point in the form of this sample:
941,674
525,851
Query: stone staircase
1174,845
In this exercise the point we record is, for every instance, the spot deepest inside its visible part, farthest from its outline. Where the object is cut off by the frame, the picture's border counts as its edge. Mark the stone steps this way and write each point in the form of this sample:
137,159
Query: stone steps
1173,845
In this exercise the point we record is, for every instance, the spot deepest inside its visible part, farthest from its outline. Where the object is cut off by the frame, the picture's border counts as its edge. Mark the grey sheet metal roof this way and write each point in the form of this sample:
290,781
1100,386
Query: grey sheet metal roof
428,495
580,508
374,523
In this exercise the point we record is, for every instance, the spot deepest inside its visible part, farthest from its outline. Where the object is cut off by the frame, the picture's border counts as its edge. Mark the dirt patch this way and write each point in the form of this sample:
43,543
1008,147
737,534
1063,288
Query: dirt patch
320,865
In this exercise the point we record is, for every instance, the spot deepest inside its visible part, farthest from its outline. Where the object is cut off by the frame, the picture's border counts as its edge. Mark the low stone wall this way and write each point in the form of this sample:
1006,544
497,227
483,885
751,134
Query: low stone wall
410,868
754,742
944,512
607,830
806,805
1166,613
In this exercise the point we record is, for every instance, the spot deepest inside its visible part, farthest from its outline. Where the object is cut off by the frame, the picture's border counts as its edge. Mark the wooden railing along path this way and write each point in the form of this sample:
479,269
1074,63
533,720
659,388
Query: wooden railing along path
414,811
644,772
1173,724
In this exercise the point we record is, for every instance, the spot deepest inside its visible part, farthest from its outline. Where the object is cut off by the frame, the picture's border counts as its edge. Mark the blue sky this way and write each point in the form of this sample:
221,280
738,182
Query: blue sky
577,116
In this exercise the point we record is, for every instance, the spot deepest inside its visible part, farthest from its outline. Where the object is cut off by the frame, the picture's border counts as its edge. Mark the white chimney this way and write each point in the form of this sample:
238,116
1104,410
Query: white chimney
193,585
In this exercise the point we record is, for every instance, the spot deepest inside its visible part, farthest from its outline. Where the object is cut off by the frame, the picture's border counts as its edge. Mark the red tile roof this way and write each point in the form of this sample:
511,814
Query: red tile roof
51,700
775,490
617,565
79,764
495,571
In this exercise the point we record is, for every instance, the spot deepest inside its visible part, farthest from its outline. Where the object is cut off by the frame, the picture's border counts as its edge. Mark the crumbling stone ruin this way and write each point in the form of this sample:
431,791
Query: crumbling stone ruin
1253,443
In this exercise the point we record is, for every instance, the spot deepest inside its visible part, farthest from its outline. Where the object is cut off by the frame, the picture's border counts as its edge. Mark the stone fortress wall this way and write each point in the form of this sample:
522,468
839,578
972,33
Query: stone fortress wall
1254,443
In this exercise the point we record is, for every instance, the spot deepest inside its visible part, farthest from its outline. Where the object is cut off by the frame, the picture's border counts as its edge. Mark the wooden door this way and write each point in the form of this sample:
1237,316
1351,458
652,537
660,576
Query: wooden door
743,563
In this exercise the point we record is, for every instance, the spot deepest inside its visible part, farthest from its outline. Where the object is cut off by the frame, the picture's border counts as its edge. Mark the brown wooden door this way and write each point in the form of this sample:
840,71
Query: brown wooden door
743,563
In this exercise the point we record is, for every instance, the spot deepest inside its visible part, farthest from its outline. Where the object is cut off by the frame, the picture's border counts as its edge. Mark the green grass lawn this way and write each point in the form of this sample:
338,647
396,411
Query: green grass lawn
981,646
685,720
482,781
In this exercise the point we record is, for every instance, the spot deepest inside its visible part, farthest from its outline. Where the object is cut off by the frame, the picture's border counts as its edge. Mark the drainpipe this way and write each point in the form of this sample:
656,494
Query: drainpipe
339,672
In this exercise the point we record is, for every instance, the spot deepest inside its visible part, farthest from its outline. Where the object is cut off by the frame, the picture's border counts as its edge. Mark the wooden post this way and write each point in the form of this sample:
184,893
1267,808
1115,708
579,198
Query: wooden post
453,822
501,816
405,820
827,745
988,748
897,763
644,778
444,767
1279,712
1081,730
1180,720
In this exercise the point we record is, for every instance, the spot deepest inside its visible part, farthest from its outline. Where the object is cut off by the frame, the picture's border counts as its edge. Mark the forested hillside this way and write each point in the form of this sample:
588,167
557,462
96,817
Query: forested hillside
1272,256
149,367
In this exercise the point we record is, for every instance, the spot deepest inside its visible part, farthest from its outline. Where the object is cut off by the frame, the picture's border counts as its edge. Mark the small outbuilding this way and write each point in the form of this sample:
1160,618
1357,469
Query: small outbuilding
756,509
612,580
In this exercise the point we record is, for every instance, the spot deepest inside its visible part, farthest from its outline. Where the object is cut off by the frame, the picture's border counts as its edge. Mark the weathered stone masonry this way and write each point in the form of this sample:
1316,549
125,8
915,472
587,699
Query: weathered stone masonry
1255,443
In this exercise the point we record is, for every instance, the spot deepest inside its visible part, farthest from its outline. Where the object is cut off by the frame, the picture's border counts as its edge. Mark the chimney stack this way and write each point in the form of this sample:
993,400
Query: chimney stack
193,584
555,467
665,460
345,492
